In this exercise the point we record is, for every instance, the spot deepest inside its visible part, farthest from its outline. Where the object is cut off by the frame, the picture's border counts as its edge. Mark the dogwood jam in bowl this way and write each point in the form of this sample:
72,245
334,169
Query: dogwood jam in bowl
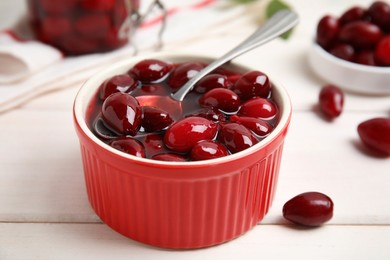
225,113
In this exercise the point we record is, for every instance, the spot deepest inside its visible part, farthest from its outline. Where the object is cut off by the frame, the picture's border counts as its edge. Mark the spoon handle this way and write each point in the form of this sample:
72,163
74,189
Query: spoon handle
278,24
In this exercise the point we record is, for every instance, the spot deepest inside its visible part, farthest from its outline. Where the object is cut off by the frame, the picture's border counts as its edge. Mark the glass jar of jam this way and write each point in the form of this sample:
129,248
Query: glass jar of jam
82,26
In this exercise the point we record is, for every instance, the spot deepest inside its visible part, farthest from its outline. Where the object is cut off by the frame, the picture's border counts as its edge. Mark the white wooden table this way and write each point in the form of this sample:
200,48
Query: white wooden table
45,214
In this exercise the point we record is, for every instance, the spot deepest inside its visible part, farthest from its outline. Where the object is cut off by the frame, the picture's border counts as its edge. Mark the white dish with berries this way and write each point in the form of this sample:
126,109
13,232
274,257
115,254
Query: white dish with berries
352,51
351,77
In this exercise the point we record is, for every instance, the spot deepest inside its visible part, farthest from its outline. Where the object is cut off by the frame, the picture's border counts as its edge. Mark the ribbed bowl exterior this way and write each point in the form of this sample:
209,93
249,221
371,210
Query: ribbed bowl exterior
176,204
182,212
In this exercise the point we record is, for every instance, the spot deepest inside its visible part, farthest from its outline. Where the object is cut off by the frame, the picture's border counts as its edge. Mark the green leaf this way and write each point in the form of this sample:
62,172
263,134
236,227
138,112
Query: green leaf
275,6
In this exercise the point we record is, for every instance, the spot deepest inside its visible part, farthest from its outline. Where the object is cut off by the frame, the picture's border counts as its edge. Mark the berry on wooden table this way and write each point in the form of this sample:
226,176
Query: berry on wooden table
331,101
309,209
375,134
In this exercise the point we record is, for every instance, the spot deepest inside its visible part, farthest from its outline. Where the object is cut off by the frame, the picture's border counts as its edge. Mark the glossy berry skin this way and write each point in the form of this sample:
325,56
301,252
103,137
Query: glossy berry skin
92,25
379,12
234,78
236,137
252,84
375,134
209,113
259,127
169,157
212,81
355,13
129,146
206,150
331,101
327,30
150,70
184,134
122,113
56,26
120,15
184,72
119,83
221,98
258,108
382,52
203,126
79,26
57,7
153,144
97,5
360,34
309,209
365,58
343,51
155,119
223,71
78,45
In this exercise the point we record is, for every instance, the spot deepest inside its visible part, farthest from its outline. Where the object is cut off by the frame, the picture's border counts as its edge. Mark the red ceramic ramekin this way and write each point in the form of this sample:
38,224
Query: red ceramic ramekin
179,204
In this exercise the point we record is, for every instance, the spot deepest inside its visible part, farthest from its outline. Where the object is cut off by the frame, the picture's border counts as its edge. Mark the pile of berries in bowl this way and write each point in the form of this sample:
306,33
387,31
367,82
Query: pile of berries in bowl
216,119
184,174
353,50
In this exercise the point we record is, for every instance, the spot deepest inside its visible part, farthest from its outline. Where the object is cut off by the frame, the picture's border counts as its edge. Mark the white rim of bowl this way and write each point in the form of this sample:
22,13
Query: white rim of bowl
349,64
92,84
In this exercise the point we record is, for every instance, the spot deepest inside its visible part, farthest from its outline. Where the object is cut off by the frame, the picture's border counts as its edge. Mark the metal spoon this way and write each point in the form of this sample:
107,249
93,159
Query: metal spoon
278,24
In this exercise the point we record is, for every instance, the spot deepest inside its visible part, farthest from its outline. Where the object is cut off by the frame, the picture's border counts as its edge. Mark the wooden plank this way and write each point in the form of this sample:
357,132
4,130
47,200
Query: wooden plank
61,99
97,241
41,175
41,172
329,157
